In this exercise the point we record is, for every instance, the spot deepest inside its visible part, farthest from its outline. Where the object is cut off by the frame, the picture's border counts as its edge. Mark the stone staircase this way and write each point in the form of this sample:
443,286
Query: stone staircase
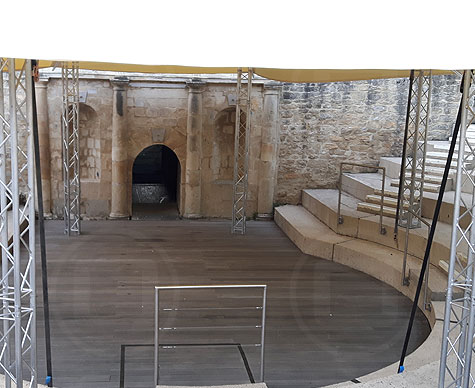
436,157
358,243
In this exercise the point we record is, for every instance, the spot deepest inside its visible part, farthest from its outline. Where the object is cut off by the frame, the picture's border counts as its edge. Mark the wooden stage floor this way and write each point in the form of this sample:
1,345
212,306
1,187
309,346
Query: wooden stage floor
325,323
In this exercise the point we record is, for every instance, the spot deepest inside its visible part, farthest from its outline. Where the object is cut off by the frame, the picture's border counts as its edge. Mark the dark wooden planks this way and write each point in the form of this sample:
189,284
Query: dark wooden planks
326,322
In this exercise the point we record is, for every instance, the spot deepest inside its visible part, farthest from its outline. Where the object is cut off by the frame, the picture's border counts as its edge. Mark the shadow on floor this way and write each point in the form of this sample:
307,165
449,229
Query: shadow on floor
153,211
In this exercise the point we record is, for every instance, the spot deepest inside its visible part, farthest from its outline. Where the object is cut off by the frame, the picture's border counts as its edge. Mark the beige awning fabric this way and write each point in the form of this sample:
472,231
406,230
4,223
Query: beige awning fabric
335,75
284,75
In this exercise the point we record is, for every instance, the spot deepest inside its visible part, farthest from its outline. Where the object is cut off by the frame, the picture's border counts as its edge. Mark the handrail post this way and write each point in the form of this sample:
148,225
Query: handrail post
263,330
156,371
339,217
156,350
382,229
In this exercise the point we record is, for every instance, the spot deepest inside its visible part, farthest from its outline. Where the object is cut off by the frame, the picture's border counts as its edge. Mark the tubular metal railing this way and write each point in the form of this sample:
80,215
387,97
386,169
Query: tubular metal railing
382,229
157,328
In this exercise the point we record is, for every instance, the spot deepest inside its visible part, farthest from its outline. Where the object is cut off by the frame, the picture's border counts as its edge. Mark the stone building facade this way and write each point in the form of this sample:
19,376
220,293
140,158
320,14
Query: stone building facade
325,124
300,133
120,117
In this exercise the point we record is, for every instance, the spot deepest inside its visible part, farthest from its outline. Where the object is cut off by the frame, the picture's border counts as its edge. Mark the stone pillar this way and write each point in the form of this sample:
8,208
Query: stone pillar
119,198
194,126
269,147
41,89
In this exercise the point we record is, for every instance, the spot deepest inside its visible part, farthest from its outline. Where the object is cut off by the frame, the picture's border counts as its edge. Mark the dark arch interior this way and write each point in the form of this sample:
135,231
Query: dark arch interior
155,182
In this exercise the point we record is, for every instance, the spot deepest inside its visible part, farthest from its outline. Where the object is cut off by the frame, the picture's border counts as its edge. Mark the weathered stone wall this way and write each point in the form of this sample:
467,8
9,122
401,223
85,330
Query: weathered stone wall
325,124
156,114
95,143
217,164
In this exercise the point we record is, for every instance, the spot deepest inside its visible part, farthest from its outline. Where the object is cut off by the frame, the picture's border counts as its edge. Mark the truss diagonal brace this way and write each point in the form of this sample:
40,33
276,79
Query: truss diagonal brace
17,237
411,187
70,141
459,319
241,149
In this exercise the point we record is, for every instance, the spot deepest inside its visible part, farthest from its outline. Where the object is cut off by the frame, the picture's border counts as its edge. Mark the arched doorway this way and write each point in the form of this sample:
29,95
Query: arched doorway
155,183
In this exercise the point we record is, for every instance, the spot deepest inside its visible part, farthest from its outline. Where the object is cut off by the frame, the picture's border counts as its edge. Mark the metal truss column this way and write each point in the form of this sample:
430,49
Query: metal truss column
459,320
411,180
413,163
241,149
70,140
17,226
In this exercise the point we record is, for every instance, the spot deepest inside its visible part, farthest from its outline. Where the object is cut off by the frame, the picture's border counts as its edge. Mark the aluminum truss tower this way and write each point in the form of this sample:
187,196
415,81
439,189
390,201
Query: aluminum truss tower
17,226
411,180
413,163
241,149
459,319
70,140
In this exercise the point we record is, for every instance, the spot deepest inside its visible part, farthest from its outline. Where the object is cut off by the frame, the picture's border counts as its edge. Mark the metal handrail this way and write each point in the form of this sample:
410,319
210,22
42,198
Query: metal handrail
382,229
157,328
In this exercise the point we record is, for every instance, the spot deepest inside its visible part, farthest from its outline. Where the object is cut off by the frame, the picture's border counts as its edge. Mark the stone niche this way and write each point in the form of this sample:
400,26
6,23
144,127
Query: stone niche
222,156
89,143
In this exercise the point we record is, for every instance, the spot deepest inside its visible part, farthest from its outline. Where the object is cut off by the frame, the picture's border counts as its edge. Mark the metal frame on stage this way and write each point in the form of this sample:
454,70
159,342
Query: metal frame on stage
17,226
411,180
241,149
70,141
459,319
158,328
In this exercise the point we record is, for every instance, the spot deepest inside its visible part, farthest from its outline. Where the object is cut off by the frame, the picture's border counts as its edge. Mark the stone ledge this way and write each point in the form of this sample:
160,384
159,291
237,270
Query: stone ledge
322,203
314,238
311,235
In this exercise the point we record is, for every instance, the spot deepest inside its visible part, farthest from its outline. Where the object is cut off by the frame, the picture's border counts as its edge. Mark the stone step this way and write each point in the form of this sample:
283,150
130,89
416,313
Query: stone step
390,194
445,148
444,266
434,171
387,201
313,237
433,168
442,156
359,185
372,208
323,204
428,187
387,193
437,155
440,163
435,179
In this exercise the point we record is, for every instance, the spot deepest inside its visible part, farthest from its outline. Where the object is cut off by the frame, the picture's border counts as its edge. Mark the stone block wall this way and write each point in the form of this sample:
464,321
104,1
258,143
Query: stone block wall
217,164
325,124
320,126
156,113
95,147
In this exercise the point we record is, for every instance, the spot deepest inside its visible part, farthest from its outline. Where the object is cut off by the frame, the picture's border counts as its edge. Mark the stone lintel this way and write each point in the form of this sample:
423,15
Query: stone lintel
196,85
272,87
119,83
42,83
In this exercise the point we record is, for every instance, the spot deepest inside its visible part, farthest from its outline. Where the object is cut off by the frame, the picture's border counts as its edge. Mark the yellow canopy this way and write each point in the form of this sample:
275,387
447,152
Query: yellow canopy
285,75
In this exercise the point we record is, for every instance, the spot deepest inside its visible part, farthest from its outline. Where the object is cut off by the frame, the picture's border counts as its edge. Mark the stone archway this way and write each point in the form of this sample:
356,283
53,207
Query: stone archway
156,183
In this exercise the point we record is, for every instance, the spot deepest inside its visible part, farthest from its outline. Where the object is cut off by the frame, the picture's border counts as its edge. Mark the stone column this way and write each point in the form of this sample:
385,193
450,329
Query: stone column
41,88
269,146
194,126
119,198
